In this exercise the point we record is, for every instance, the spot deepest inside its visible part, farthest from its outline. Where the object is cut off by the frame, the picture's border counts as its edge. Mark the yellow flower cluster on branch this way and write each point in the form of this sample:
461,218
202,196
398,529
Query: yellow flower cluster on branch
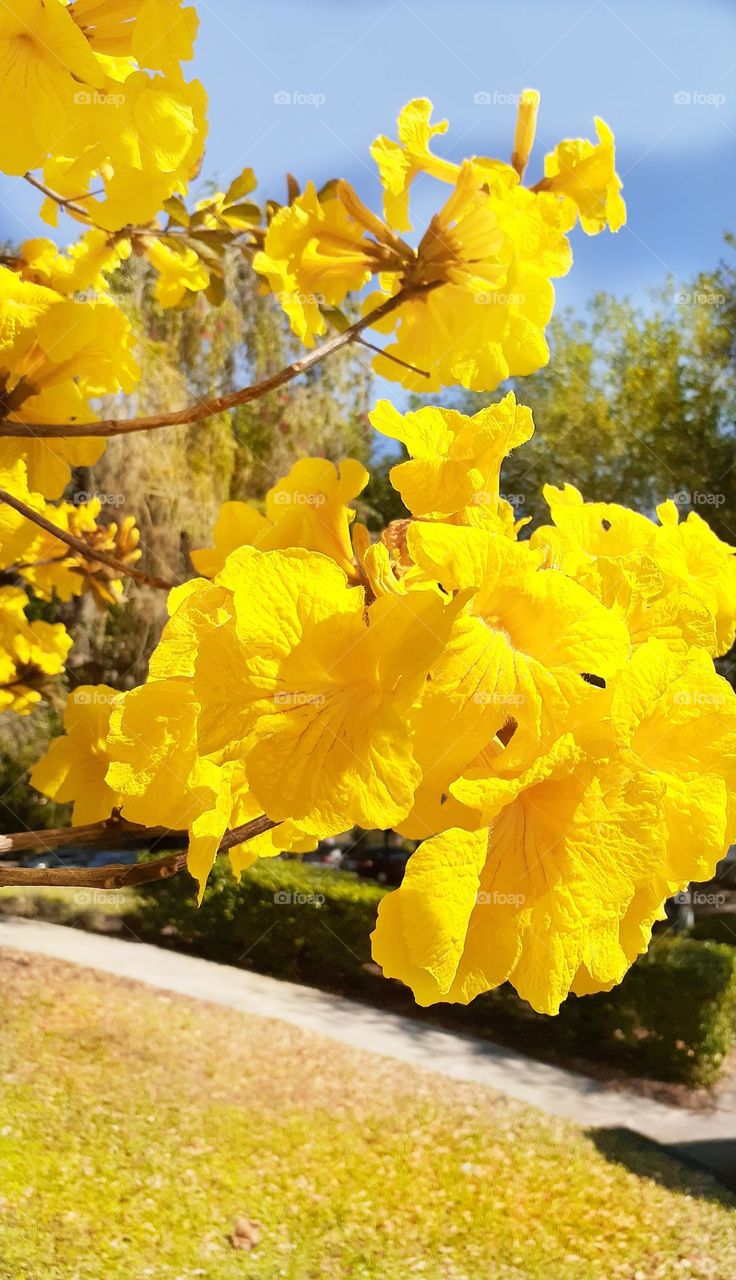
544,715
477,292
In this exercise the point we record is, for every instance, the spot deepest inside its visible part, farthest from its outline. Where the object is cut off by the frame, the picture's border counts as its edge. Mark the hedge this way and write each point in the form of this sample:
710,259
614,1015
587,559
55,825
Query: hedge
671,1018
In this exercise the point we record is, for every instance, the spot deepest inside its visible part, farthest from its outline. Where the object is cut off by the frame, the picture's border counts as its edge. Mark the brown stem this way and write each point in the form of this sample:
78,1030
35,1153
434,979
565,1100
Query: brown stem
208,408
117,875
81,548
54,195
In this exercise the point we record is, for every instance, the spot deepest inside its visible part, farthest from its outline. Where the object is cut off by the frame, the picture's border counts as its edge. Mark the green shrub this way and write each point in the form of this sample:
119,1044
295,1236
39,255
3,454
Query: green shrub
673,1015
288,919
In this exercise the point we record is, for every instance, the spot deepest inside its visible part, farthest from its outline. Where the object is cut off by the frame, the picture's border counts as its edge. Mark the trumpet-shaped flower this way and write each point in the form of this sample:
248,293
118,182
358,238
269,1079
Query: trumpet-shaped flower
316,251
400,162
86,264
321,689
455,459
585,172
308,509
45,64
534,895
75,764
56,354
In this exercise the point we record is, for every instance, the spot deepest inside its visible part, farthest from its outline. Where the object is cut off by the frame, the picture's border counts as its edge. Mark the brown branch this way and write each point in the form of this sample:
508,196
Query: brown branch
94,833
220,404
80,547
116,875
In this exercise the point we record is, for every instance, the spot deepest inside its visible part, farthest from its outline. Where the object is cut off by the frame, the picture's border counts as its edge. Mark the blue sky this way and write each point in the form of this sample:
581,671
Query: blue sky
359,60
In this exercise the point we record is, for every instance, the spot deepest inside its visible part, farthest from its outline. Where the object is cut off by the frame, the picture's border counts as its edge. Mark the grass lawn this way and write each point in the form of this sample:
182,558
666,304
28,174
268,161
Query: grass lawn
137,1127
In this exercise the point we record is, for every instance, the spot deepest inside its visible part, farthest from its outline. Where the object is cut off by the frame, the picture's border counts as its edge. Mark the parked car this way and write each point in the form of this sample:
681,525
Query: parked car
386,865
327,855
108,857
63,856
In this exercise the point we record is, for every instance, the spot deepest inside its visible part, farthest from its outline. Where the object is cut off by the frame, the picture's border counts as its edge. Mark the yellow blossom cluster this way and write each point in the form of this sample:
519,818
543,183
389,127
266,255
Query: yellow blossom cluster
107,113
469,303
544,715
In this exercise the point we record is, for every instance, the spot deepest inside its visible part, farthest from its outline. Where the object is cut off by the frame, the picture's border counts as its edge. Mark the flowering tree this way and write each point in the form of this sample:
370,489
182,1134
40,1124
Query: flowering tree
543,714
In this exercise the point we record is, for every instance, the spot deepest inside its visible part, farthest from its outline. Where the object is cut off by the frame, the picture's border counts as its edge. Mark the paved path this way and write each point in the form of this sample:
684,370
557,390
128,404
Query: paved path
707,1139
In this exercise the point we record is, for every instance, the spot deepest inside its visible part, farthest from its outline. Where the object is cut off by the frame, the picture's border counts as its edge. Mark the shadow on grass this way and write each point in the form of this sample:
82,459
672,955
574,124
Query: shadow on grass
706,1169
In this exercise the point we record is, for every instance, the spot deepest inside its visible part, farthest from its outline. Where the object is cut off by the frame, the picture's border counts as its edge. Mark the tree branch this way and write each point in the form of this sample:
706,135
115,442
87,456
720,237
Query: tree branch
81,548
117,875
220,404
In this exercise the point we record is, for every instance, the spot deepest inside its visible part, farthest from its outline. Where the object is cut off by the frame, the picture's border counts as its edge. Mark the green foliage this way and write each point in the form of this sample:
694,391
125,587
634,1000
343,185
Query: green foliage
673,1015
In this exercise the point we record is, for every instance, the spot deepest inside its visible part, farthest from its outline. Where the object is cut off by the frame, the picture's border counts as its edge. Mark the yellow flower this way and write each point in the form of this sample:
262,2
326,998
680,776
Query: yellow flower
29,653
678,716
318,689
75,764
692,555
485,295
157,33
585,172
86,265
537,893
56,354
456,459
153,760
137,140
515,662
675,582
400,162
526,127
316,252
16,532
180,272
45,64
308,509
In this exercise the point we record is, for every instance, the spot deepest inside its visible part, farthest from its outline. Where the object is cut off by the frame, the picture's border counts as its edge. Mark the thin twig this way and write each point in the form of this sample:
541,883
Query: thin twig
209,408
117,875
54,195
81,548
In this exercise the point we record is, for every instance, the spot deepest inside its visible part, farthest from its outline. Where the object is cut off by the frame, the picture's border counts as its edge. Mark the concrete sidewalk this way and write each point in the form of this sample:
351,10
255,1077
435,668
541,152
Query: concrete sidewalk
706,1139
